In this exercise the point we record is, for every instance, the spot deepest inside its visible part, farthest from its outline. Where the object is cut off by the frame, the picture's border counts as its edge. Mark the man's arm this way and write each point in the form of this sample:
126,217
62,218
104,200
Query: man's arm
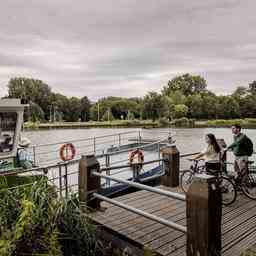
237,142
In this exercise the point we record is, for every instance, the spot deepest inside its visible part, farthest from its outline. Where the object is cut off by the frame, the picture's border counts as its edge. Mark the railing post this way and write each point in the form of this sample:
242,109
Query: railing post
87,183
94,145
119,140
204,217
34,154
60,180
108,165
171,166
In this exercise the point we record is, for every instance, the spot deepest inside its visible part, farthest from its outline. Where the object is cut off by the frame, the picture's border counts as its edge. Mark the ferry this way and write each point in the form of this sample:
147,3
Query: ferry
110,150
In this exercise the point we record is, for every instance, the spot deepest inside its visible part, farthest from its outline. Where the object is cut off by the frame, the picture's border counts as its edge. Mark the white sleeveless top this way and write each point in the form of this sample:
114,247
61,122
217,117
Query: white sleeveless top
210,155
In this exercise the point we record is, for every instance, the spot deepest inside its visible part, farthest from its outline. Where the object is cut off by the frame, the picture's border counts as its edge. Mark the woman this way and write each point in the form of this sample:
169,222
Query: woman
211,154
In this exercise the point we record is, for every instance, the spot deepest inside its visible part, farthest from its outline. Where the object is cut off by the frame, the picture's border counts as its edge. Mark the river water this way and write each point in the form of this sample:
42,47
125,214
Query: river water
187,141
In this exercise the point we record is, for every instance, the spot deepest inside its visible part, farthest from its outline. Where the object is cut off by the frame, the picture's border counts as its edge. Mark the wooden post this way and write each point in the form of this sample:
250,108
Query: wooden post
204,217
87,183
171,165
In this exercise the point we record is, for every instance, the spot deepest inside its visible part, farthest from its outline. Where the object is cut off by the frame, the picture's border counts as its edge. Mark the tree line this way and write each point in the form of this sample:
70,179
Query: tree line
183,96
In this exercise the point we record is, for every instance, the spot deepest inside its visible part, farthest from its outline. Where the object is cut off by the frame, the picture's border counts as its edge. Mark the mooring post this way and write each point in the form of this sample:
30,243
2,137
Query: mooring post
204,212
87,183
171,166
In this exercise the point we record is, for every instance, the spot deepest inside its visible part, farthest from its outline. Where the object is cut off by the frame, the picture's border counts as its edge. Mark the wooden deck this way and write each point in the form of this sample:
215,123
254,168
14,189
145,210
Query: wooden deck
238,223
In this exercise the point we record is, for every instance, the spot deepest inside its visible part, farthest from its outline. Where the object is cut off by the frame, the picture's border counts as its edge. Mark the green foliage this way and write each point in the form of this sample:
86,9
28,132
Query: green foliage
183,96
34,222
187,84
163,122
108,116
183,122
154,106
180,110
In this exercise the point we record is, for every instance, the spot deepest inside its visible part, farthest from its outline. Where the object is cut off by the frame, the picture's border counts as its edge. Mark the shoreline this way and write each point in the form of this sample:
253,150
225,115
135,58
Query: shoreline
147,124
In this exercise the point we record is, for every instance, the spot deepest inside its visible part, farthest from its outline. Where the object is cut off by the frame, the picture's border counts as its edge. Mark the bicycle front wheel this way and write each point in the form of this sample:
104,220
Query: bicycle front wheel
186,179
228,191
248,185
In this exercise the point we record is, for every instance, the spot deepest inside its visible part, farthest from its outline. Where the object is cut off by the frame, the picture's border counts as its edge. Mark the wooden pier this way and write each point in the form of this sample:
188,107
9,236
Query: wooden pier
137,233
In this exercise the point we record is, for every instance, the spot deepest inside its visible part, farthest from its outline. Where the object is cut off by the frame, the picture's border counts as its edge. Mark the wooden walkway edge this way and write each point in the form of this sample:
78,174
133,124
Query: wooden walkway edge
136,233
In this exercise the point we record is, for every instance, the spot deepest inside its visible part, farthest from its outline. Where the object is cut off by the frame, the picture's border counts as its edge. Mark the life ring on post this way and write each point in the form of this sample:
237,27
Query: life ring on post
67,152
136,154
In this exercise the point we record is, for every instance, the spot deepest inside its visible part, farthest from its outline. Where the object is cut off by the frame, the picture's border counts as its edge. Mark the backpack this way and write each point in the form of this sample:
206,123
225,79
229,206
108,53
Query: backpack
248,145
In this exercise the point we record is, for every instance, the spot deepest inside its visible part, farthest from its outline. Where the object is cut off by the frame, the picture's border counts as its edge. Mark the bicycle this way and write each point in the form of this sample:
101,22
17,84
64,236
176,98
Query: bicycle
247,181
227,186
187,176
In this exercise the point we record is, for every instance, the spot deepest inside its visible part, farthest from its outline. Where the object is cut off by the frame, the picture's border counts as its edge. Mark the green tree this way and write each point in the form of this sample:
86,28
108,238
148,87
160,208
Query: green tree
252,87
187,84
108,116
85,106
31,90
155,106
181,110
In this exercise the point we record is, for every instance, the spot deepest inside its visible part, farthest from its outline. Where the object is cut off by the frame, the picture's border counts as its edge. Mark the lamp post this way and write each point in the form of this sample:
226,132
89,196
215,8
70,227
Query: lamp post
98,112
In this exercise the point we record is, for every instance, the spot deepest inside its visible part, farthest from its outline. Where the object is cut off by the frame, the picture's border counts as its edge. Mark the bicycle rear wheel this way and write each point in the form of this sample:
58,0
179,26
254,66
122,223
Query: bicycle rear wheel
228,191
248,185
186,179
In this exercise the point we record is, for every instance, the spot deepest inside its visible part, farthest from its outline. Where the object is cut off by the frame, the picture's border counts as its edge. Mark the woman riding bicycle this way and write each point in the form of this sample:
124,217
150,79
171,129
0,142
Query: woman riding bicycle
211,154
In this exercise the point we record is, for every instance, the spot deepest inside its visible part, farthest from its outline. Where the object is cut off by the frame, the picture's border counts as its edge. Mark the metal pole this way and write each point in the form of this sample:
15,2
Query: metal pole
98,112
119,139
34,153
170,224
66,180
108,171
143,187
60,180
128,165
94,145
158,148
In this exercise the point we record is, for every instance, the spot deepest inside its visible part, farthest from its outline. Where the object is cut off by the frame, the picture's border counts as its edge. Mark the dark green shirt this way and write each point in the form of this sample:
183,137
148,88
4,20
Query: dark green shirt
239,145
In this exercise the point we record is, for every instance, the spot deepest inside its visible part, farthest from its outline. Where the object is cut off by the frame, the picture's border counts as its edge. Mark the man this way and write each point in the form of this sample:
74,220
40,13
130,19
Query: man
242,148
24,158
6,145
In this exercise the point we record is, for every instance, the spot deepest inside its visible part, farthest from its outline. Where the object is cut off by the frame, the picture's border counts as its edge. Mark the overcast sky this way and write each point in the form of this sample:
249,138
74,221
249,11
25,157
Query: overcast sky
127,47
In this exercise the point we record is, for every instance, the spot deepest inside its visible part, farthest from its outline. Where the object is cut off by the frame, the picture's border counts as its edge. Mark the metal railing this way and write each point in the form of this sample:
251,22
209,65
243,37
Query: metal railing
43,154
140,186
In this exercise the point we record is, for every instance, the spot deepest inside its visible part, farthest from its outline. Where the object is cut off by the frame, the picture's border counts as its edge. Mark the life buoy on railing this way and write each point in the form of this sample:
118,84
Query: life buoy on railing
138,155
67,152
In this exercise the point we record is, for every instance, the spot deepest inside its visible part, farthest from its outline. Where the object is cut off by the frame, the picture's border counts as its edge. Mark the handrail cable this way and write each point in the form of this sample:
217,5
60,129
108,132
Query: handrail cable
150,216
143,187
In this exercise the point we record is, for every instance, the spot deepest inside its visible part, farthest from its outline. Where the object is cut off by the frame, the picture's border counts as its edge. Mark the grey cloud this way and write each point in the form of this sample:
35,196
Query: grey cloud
126,47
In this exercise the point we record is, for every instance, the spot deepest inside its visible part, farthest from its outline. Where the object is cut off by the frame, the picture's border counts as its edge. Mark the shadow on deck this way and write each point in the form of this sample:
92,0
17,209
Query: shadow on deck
138,233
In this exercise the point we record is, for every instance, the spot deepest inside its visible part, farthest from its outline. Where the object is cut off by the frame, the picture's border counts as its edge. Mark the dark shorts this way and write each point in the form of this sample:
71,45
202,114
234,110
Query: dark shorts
211,168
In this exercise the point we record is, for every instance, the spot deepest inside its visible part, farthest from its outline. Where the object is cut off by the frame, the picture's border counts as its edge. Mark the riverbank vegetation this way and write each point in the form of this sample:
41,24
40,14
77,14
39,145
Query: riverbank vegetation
35,222
185,96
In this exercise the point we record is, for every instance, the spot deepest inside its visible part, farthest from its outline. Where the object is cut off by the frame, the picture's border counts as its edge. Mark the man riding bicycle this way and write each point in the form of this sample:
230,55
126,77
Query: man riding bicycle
242,148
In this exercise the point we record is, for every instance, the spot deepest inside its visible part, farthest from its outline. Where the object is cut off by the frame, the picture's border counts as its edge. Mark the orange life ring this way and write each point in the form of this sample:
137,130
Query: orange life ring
136,153
67,152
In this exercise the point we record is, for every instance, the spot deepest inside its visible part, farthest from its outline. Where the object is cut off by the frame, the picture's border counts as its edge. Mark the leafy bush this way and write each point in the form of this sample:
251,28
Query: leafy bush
183,122
34,221
163,121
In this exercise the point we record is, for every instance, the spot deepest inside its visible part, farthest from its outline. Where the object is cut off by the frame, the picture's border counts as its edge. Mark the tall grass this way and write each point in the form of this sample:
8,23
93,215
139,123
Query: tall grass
33,221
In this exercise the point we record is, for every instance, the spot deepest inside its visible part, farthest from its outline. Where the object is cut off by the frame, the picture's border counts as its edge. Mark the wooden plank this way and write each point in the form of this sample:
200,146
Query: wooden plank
241,246
239,232
238,225
175,245
123,216
112,210
158,210
237,220
150,227
165,237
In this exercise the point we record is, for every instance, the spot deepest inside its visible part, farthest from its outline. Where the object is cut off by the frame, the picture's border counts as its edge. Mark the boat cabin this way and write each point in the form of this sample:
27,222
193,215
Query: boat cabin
11,119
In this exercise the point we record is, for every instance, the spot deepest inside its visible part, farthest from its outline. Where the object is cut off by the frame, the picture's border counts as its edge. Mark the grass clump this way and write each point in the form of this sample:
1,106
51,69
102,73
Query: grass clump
34,221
